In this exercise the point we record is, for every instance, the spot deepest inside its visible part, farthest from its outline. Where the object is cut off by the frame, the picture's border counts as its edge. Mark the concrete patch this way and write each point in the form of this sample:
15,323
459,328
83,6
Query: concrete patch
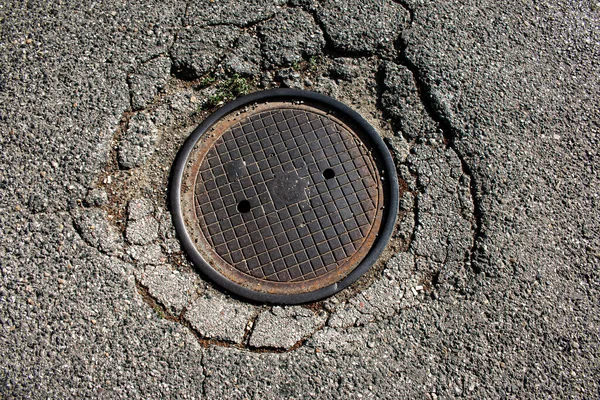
217,317
94,228
385,298
142,231
148,80
284,327
137,209
173,289
138,141
147,255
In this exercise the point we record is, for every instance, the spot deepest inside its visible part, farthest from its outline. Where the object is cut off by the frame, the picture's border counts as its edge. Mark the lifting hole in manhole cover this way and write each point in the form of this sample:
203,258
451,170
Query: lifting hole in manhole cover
284,196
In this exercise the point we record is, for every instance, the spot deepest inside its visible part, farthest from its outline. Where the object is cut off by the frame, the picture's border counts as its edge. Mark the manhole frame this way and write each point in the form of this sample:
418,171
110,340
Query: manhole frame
390,185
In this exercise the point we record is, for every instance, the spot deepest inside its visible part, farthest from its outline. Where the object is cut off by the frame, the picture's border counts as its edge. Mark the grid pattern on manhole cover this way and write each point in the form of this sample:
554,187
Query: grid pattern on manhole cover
310,188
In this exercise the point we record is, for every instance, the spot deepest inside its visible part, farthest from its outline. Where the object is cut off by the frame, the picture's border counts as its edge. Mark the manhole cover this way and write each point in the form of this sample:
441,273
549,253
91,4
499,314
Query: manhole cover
284,196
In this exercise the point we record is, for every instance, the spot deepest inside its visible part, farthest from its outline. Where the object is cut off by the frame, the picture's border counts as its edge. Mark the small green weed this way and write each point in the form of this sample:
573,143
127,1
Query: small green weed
207,81
229,89
312,63
159,311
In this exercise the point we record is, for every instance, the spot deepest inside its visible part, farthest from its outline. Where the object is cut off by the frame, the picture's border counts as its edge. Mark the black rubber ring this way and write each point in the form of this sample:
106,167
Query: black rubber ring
390,199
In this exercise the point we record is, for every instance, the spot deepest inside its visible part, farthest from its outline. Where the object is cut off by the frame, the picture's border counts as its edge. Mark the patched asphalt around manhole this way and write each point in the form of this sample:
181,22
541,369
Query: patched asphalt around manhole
284,196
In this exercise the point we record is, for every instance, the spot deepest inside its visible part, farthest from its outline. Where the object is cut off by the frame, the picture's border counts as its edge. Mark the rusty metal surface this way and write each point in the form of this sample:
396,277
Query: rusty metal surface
283,198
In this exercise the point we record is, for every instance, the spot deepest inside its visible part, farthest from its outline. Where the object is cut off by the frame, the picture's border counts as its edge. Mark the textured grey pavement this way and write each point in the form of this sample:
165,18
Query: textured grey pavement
489,289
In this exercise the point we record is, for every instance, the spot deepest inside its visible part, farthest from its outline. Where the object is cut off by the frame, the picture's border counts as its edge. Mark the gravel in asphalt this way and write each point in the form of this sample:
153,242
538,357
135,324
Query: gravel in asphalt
489,288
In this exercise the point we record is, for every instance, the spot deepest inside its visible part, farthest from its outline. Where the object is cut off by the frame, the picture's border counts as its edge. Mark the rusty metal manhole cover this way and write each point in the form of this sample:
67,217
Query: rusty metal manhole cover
284,196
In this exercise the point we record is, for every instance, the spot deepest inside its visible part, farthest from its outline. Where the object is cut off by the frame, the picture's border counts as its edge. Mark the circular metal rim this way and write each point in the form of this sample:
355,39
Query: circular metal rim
390,213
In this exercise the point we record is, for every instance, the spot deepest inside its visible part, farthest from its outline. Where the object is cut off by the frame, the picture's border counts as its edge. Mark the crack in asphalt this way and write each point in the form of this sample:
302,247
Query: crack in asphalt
330,49
329,53
250,325
450,136
411,12
163,311
156,305
204,375
129,90
183,24
246,26
176,34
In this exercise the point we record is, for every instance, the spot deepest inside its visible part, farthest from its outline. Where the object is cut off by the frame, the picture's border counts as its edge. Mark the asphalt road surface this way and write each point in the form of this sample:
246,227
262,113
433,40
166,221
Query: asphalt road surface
490,286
